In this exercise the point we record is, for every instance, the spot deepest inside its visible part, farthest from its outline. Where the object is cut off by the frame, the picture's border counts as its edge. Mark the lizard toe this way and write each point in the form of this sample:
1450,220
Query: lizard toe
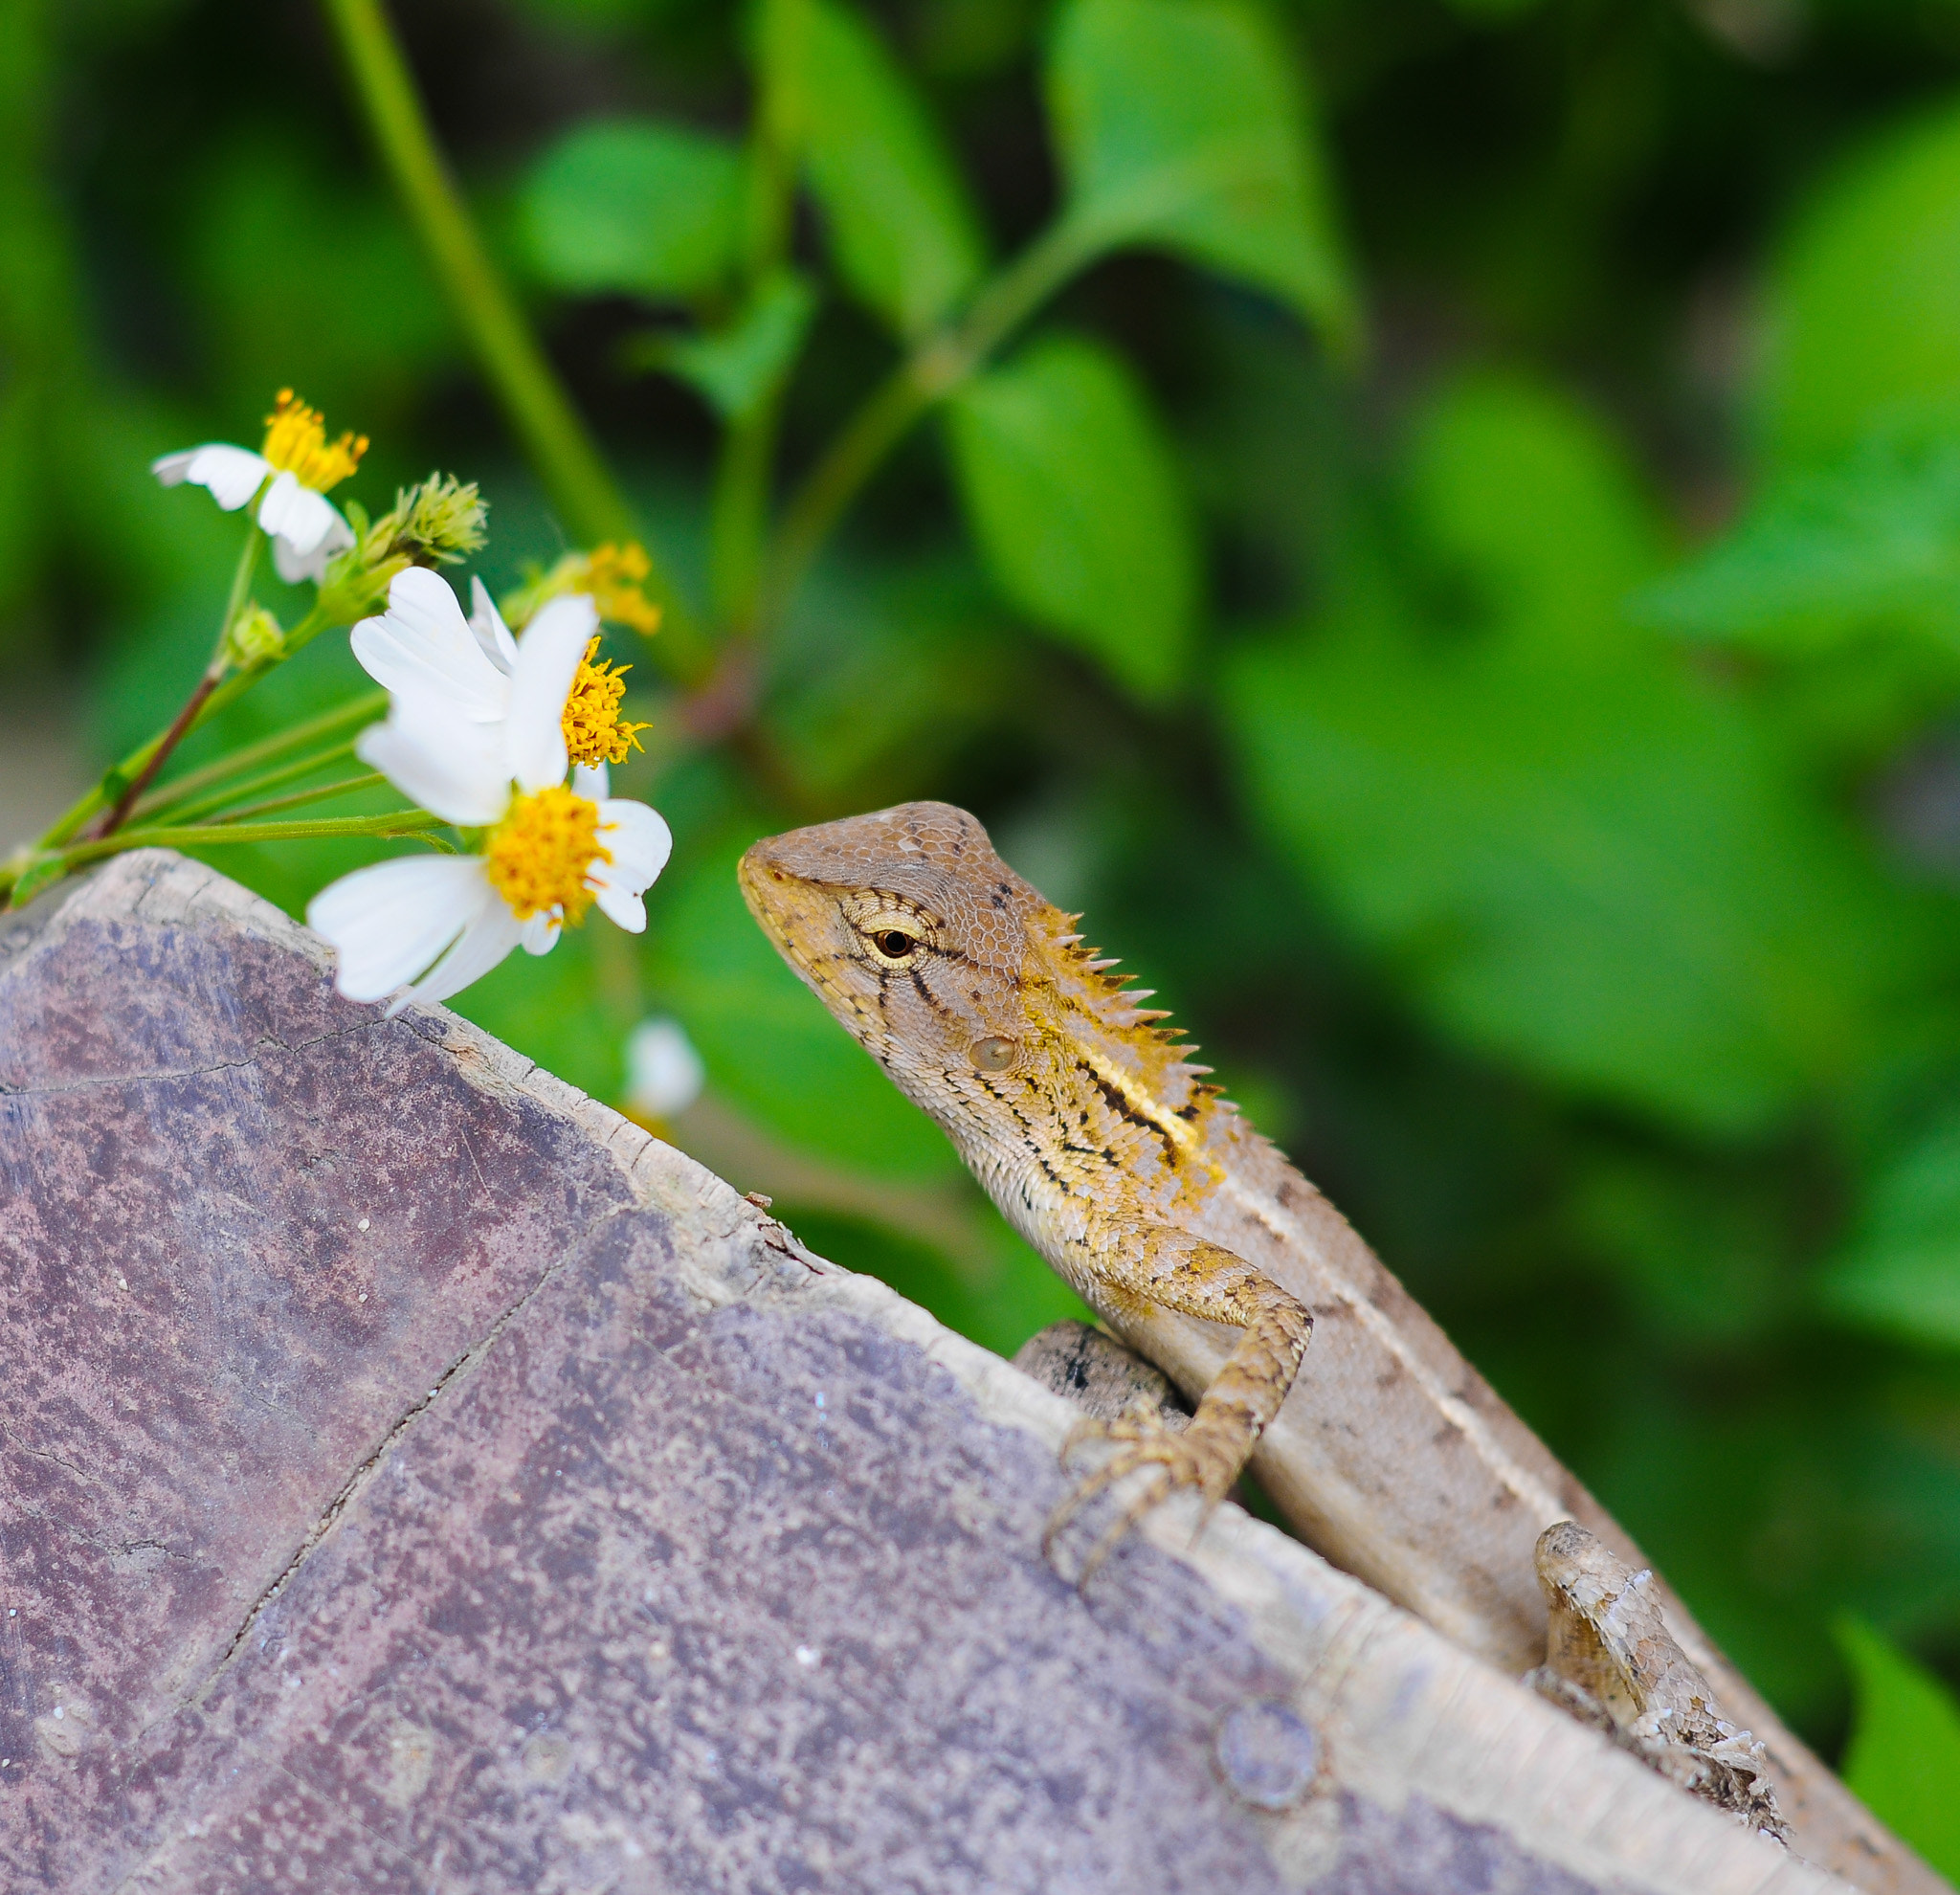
1175,1459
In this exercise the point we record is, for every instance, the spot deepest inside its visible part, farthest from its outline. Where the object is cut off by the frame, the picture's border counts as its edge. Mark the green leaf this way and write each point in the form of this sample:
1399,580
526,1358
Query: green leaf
769,1046
1899,1272
903,232
1904,1759
1578,854
1868,544
1074,498
740,366
1864,299
634,205
1180,125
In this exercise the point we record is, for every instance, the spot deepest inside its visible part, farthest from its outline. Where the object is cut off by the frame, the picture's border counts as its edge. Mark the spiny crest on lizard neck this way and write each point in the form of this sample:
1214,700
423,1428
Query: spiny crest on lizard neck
953,972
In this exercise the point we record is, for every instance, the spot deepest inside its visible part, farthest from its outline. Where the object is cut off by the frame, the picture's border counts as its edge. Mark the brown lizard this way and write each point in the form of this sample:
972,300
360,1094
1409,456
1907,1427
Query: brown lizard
1104,1146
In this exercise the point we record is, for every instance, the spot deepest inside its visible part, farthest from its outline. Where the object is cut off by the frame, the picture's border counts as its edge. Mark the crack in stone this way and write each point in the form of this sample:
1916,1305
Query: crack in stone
357,1483
82,1537
80,1472
268,1042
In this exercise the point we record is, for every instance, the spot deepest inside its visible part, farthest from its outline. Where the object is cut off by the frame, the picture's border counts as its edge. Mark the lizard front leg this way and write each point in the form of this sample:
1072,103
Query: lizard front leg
1159,1266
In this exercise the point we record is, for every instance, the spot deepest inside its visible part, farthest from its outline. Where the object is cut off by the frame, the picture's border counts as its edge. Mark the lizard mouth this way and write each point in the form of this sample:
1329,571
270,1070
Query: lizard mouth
763,882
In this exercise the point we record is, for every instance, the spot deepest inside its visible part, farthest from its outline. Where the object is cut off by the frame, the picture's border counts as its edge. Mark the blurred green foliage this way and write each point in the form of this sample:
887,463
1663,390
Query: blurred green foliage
1445,542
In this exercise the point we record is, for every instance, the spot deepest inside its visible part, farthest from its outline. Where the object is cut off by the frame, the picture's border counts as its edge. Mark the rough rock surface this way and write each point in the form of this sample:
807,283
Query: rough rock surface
413,1477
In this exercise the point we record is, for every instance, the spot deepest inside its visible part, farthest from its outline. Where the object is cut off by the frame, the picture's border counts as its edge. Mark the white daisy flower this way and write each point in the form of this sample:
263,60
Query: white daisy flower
425,652
506,702
477,733
297,468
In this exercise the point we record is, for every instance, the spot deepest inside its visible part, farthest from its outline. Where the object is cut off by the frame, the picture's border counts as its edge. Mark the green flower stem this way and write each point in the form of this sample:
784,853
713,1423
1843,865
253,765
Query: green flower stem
739,513
204,705
242,576
84,807
307,630
362,709
932,371
738,524
320,792
197,808
197,836
193,713
851,457
576,478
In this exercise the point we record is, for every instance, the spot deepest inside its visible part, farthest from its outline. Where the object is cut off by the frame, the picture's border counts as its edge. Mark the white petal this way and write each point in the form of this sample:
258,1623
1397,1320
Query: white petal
426,610
547,657
452,768
540,934
491,934
619,905
638,840
592,781
388,921
231,474
172,469
296,514
296,568
423,644
493,635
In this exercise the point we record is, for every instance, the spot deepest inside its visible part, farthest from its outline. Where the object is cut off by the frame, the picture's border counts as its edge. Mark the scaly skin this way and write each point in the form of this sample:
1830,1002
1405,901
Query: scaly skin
1200,1245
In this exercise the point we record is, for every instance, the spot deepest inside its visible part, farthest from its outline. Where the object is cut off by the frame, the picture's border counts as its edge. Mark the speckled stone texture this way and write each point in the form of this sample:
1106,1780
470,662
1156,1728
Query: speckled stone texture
415,1478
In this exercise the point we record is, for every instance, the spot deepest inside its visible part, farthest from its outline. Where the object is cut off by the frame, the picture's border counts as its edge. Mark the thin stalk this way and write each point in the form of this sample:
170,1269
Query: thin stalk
739,512
189,716
195,835
851,457
739,515
356,710
197,808
579,483
932,372
207,705
319,793
303,633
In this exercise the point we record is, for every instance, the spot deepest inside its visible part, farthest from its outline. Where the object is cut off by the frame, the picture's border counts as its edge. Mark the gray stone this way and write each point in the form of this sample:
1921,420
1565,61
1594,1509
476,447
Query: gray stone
414,1476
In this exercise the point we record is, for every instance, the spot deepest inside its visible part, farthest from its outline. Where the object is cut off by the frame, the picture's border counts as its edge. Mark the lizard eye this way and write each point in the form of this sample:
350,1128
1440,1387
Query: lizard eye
894,943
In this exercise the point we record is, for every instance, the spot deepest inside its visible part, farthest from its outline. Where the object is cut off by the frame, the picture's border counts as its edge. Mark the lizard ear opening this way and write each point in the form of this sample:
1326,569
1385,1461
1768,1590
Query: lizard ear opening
995,1054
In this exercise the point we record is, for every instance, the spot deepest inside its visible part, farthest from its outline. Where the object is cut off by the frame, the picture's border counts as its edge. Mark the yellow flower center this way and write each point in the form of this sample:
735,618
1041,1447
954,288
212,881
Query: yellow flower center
539,856
595,732
616,573
295,443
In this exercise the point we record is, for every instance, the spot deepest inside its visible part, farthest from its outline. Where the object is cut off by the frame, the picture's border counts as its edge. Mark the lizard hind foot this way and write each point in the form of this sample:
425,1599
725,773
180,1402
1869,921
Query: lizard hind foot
1172,1456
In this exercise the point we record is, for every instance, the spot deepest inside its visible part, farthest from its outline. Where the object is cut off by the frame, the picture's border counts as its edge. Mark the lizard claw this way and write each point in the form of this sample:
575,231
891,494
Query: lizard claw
1179,1459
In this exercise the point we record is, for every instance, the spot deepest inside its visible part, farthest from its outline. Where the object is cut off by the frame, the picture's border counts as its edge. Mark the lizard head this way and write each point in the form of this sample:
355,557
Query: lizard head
911,930
970,988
